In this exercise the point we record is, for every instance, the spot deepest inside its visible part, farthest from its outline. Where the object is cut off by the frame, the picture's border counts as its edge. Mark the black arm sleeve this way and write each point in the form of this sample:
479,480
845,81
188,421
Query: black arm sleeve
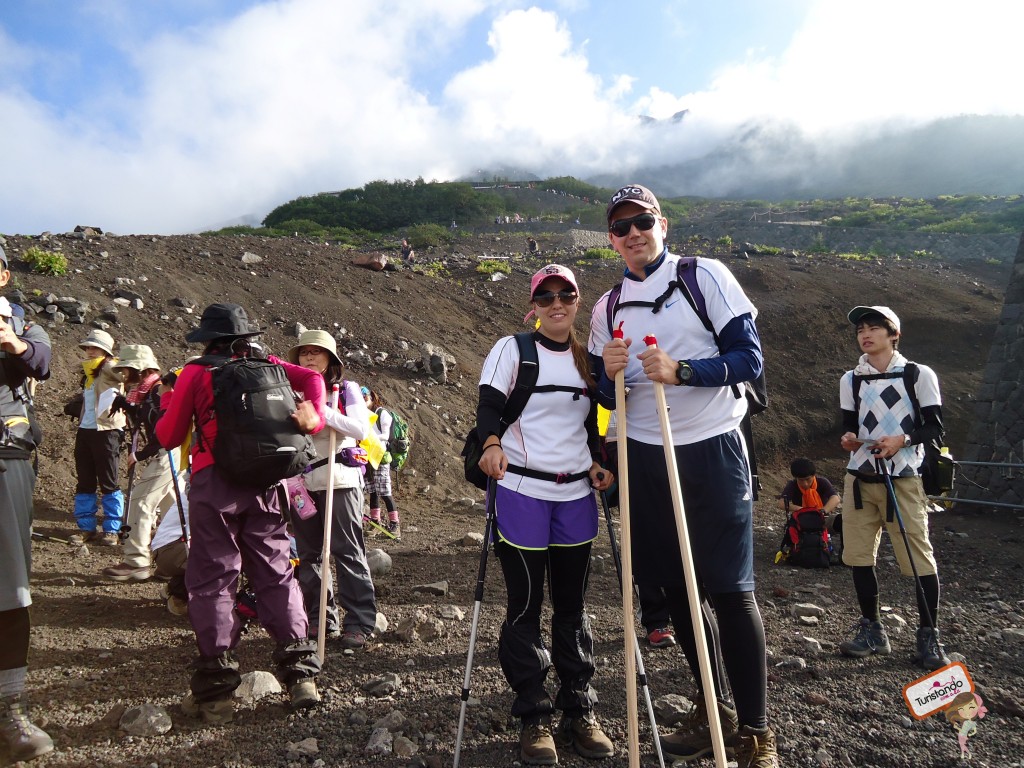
850,422
605,386
932,429
593,436
488,412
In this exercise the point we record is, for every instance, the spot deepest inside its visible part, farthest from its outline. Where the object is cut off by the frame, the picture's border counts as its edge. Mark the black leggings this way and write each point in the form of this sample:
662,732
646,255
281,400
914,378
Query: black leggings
14,633
521,650
735,635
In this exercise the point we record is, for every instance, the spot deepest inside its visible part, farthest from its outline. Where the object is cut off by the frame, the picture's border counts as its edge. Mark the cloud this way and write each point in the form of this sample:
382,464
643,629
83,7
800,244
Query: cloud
243,112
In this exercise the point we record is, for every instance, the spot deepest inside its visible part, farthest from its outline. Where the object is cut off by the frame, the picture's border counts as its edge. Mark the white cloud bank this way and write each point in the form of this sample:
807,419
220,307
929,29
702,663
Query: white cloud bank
301,96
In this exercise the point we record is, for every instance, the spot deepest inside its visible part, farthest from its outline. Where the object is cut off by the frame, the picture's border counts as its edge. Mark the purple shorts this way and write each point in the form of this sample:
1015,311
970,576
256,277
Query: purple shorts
530,523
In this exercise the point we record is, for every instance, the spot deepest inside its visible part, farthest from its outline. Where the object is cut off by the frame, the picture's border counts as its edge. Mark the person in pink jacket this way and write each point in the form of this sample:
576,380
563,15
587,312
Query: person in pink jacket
231,524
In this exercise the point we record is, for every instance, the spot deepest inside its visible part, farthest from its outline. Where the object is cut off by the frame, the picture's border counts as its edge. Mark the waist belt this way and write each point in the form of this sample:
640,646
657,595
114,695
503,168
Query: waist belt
861,477
559,478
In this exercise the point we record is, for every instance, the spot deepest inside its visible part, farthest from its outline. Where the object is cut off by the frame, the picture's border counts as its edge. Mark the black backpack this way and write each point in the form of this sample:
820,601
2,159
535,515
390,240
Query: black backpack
257,443
938,469
756,391
806,541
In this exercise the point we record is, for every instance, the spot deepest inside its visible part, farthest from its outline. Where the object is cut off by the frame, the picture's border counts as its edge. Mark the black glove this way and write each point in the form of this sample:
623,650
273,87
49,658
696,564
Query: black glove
120,405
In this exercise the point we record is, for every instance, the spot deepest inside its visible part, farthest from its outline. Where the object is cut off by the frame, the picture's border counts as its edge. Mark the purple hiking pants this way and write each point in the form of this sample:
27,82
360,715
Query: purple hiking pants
230,524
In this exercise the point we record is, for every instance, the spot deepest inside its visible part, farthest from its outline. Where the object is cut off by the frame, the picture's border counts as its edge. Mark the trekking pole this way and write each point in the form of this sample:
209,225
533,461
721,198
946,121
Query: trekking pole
628,621
325,552
127,528
478,598
636,643
47,537
378,526
178,499
703,656
883,469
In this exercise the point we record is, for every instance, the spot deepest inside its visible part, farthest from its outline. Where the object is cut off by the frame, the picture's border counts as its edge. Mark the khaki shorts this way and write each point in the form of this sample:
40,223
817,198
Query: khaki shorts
862,528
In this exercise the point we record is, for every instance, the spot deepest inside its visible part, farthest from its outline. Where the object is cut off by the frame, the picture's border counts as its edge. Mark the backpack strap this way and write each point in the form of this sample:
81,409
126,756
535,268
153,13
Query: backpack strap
526,380
576,392
909,375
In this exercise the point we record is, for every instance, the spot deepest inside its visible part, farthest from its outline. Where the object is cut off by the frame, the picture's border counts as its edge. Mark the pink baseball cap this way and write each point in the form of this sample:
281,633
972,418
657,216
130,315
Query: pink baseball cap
552,270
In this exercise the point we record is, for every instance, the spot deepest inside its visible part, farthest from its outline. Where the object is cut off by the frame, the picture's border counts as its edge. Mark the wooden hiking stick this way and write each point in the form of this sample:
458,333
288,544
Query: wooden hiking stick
325,552
628,621
703,656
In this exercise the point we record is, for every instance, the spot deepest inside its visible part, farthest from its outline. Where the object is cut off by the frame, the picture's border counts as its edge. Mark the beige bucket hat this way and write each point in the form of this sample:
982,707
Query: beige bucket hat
321,339
137,356
100,340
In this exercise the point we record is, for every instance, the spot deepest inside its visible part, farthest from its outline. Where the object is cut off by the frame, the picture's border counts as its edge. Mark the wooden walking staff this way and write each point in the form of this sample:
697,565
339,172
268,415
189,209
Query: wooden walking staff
325,552
628,620
690,575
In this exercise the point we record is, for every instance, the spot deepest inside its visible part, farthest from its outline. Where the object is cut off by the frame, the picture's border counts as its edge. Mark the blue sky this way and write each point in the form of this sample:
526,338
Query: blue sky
148,116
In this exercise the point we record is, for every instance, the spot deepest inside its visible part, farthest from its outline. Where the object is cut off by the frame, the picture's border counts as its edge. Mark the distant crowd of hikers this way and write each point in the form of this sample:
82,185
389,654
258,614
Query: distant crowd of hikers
258,461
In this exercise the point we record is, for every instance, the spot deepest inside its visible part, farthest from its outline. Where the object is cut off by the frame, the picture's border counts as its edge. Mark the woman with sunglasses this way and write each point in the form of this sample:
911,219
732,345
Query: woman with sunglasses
546,520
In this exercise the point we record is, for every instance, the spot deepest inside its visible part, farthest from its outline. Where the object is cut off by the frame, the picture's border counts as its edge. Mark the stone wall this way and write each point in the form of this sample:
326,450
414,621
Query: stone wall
998,431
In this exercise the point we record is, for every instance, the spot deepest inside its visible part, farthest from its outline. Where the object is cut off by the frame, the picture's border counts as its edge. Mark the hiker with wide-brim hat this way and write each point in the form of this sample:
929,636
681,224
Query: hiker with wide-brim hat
318,351
546,519
231,523
148,489
98,442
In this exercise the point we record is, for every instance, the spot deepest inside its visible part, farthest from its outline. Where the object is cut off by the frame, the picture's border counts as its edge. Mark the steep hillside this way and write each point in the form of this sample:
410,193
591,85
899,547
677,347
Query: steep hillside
99,647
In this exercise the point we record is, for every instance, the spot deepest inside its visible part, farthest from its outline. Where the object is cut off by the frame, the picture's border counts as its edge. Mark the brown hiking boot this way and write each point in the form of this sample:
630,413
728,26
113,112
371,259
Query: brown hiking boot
692,740
586,736
214,712
536,744
304,694
755,748
25,740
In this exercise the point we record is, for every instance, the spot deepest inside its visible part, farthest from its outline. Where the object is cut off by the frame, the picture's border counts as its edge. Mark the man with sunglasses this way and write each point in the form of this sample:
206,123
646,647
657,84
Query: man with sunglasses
706,409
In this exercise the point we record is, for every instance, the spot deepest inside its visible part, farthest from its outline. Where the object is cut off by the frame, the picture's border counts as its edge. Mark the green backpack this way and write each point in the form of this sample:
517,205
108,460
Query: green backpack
398,441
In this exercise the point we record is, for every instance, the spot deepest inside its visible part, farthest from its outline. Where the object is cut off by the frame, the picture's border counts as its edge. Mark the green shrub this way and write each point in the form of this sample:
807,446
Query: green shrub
425,235
46,262
490,266
600,253
770,250
818,246
434,269
855,256
725,242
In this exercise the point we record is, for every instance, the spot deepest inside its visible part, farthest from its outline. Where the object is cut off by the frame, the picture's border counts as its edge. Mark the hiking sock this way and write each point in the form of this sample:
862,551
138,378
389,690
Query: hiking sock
865,583
930,587
375,514
393,515
12,682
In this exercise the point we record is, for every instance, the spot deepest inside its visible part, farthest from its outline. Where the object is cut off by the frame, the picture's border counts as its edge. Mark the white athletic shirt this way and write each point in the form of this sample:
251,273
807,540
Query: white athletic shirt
697,413
551,435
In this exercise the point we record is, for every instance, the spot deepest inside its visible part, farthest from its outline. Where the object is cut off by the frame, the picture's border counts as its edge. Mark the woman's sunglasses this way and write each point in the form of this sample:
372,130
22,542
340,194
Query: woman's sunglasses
643,222
547,298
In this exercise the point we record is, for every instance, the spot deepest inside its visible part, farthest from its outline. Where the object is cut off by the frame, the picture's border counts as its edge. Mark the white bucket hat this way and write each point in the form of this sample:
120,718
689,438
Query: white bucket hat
100,340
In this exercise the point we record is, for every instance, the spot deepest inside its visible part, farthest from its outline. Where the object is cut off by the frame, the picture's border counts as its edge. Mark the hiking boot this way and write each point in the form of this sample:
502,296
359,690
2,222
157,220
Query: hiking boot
661,638
304,694
107,540
869,638
692,739
213,712
536,744
930,653
125,572
755,748
586,736
332,633
25,740
352,639
177,605
395,529
83,537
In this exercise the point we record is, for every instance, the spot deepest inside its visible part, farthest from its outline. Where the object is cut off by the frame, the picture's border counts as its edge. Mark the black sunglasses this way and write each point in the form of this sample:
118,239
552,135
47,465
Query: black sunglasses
643,222
547,298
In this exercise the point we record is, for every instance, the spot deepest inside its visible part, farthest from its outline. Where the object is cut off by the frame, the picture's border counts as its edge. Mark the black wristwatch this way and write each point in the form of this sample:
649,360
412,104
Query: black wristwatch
684,373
